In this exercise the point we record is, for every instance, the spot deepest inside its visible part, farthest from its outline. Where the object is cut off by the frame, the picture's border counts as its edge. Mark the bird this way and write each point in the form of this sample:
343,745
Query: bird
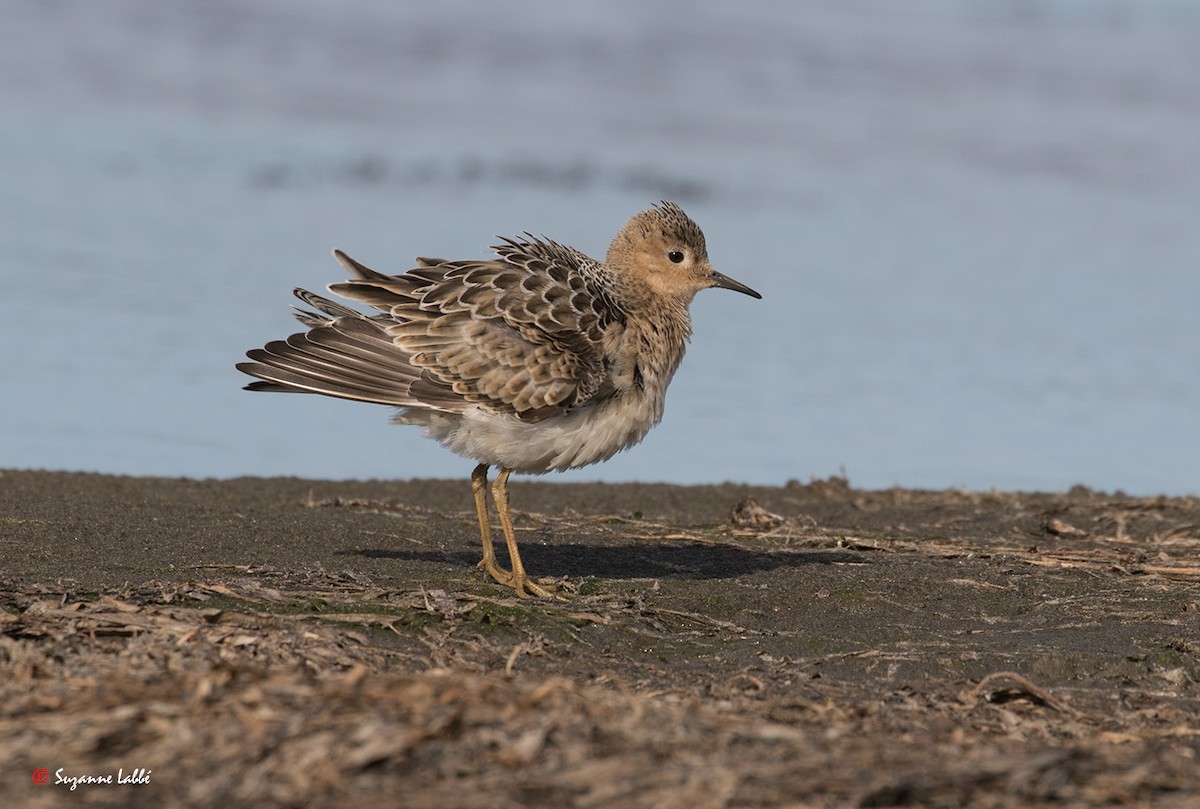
540,359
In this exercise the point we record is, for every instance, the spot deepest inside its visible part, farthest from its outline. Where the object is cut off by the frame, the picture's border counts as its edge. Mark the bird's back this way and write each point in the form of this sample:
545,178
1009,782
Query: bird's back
522,335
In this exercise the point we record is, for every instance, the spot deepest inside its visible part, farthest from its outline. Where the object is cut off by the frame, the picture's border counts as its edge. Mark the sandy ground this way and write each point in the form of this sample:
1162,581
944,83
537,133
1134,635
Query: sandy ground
283,642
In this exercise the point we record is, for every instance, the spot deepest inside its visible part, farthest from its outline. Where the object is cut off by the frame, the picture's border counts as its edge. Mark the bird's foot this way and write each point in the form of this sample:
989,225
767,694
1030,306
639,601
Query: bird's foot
498,573
542,588
522,585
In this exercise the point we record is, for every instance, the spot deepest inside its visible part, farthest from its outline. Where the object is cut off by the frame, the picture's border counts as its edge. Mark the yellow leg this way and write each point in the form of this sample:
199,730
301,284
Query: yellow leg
488,562
519,582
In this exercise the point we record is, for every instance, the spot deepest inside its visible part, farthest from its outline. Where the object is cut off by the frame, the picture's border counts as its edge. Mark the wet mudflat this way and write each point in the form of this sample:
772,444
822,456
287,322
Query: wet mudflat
285,642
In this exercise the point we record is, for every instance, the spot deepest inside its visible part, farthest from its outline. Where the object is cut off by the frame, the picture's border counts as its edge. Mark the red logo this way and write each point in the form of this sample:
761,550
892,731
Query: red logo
41,775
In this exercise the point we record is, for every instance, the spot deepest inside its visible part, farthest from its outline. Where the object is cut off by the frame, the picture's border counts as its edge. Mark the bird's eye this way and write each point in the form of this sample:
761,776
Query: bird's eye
676,256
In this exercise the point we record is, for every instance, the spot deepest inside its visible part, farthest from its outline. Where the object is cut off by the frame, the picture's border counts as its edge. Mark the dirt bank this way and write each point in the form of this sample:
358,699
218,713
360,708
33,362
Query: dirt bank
282,642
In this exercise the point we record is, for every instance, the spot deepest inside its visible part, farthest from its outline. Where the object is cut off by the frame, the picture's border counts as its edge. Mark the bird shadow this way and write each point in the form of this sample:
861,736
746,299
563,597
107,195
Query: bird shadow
635,561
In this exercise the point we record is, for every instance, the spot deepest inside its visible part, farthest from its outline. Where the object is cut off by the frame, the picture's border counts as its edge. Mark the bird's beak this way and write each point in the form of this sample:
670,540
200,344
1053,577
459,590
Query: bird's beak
716,279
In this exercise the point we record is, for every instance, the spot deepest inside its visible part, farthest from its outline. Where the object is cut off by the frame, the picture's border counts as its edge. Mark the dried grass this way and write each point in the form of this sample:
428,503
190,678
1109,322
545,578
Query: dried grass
244,704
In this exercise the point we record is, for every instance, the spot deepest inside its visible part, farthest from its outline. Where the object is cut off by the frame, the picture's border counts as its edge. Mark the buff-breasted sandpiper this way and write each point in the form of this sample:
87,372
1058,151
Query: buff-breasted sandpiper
539,360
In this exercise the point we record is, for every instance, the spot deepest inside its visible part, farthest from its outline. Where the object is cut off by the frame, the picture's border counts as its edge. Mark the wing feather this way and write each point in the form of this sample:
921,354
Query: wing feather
523,334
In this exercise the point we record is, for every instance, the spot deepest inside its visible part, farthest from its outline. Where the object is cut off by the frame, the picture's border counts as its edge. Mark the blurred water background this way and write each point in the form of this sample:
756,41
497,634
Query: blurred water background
976,225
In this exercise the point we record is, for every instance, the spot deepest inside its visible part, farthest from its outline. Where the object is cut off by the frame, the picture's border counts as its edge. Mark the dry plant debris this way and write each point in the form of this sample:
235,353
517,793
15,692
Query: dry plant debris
230,698
252,644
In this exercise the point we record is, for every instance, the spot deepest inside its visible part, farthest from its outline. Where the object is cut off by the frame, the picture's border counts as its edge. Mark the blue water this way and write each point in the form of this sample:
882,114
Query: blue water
976,225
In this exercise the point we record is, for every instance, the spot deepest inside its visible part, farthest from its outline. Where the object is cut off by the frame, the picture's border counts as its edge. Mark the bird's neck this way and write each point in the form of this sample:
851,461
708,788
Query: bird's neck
664,331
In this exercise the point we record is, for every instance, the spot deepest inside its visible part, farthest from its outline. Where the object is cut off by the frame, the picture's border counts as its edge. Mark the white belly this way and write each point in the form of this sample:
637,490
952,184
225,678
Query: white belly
585,436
